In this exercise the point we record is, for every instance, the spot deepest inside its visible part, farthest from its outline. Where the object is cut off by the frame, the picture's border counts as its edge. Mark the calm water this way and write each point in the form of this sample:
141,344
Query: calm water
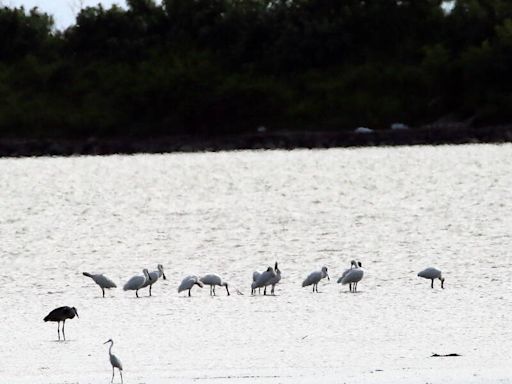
398,210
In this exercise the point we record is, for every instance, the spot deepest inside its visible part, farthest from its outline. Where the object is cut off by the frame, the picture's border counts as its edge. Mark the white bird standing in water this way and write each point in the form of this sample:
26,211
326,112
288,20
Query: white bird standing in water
263,280
432,273
213,280
103,281
114,360
315,277
137,282
352,276
273,281
154,276
188,282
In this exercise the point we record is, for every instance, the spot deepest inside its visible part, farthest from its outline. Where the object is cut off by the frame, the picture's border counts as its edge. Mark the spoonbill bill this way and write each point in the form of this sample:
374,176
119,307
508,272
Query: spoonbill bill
61,314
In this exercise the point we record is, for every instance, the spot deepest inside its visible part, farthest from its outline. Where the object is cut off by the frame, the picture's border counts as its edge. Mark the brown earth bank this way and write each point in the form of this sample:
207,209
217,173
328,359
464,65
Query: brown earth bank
428,135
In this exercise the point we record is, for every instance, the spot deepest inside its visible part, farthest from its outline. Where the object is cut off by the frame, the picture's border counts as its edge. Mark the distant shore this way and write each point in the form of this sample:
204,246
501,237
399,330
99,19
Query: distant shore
428,135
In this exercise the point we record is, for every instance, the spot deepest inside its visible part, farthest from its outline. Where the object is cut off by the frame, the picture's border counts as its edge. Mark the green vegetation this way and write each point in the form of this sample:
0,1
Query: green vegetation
228,66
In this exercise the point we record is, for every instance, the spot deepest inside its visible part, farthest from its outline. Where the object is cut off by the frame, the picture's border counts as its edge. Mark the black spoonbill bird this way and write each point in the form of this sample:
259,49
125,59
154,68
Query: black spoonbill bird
213,280
103,281
188,282
137,282
432,273
114,360
263,280
154,276
352,276
273,281
61,314
315,277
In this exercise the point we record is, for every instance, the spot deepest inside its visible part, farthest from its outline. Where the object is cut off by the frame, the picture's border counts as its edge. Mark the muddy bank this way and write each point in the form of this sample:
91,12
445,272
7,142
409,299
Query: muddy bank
433,135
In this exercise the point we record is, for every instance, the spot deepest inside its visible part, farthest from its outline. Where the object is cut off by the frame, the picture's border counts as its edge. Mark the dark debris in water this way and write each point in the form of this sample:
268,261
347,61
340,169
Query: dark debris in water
448,355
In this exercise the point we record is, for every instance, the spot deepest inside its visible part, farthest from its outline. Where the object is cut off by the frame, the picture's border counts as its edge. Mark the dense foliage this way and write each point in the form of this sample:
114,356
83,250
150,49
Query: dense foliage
229,66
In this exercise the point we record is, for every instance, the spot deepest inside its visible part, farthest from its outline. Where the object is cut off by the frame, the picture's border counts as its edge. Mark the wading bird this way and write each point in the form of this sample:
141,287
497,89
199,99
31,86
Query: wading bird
114,360
315,277
352,276
432,273
154,276
263,280
213,280
61,314
137,282
255,276
103,281
188,282
273,281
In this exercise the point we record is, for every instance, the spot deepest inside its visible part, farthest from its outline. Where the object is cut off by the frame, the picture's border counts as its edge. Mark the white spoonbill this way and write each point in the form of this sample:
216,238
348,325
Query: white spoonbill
273,281
315,277
255,276
213,280
352,265
103,281
114,360
352,276
432,273
188,282
137,282
263,280
154,276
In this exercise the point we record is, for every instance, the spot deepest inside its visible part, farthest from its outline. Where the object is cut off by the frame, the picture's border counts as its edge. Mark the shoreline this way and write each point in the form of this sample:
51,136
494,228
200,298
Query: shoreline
427,135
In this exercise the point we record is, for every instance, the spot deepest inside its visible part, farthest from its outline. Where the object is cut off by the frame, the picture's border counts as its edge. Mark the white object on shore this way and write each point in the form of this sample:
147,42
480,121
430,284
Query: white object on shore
432,273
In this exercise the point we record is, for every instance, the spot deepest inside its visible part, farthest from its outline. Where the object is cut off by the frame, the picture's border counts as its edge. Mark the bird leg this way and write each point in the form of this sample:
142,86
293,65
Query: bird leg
121,373
112,375
189,292
58,329
272,290
63,334
227,290
214,293
137,293
103,290
432,285
265,291
150,289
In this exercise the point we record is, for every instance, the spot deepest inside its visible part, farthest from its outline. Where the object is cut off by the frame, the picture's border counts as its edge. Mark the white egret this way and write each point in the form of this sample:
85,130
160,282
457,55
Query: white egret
103,281
432,273
273,281
315,277
114,360
263,280
352,276
188,282
137,282
61,314
213,280
154,276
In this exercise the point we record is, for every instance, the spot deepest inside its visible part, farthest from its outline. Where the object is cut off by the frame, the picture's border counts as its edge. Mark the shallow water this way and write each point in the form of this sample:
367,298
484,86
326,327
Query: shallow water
398,210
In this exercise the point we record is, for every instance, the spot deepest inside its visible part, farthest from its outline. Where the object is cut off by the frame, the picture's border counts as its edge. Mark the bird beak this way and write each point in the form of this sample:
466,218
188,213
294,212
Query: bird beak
106,342
163,275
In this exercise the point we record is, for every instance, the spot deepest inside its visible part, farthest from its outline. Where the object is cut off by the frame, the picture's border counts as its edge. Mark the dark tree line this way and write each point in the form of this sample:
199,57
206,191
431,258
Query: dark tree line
228,66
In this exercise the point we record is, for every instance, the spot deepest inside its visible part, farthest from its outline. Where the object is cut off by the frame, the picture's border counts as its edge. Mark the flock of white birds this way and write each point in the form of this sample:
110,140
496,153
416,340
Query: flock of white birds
268,278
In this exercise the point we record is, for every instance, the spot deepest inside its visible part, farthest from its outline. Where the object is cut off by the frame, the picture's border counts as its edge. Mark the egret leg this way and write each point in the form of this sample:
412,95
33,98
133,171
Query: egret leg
121,373
112,375
432,285
63,334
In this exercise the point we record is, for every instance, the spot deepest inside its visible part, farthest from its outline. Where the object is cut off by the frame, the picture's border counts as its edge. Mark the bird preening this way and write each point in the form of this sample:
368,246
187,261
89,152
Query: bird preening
154,276
61,314
114,361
